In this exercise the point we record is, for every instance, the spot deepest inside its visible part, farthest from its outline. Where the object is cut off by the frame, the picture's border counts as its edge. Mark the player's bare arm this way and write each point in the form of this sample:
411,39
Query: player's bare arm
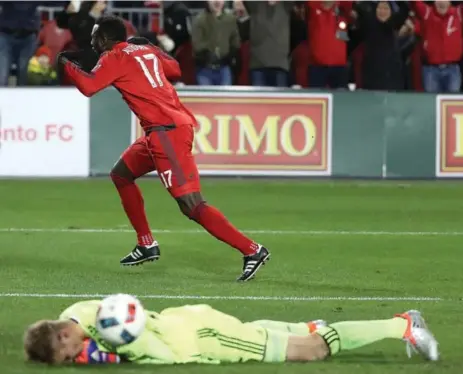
306,348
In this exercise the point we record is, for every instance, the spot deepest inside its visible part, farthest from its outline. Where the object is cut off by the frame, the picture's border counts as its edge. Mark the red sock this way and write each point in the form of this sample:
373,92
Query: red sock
217,225
132,201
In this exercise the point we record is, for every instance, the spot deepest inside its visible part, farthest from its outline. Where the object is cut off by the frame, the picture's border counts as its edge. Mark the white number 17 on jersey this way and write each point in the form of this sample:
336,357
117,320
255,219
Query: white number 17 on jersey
155,81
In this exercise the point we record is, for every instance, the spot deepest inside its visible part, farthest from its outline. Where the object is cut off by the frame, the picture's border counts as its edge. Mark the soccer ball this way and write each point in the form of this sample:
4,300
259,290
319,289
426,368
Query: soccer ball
120,319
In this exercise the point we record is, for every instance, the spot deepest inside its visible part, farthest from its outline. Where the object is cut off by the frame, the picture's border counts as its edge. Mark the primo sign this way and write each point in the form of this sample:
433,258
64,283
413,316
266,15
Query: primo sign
449,136
270,134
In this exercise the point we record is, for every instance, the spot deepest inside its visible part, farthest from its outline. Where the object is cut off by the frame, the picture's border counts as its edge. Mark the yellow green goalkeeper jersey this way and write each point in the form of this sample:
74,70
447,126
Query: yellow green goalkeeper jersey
187,334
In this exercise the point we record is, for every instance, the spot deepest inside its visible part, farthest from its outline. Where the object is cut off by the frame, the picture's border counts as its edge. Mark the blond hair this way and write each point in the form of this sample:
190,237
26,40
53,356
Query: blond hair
41,340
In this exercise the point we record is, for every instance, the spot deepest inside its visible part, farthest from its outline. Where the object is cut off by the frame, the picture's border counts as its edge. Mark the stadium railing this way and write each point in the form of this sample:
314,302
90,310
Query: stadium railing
144,19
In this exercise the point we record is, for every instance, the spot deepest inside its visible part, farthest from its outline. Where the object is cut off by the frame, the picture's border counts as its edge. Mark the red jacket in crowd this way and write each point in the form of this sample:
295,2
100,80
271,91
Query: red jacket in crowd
441,34
54,38
324,26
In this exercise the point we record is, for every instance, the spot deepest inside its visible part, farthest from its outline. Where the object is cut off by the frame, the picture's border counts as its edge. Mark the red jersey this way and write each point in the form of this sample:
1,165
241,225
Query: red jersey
442,39
140,73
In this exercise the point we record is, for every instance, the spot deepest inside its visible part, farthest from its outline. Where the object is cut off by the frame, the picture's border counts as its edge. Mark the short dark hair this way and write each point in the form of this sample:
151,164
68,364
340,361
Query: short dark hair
112,28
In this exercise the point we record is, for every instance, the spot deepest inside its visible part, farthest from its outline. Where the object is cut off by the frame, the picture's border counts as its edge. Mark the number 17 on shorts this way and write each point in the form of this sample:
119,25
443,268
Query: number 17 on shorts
166,178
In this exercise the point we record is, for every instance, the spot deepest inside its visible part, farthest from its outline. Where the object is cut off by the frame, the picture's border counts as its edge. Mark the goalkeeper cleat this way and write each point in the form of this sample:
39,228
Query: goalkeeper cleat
315,325
141,254
418,337
252,264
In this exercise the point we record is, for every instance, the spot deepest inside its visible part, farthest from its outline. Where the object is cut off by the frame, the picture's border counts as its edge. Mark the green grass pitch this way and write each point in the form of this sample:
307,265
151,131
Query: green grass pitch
328,239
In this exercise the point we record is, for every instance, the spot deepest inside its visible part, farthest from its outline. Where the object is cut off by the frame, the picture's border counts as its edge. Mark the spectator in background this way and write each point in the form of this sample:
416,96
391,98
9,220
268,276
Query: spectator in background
55,38
408,40
80,22
269,41
298,25
441,31
242,17
383,63
216,44
161,41
327,34
177,23
19,26
40,70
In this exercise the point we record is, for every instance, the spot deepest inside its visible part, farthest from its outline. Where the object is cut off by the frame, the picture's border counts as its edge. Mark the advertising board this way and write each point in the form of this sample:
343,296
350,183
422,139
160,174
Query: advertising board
44,132
259,133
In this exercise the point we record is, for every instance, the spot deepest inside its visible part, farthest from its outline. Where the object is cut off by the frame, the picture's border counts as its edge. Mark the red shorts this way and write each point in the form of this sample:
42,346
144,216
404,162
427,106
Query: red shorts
170,154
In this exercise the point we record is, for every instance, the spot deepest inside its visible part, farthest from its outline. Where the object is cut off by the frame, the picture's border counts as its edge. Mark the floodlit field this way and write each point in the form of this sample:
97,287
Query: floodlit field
340,251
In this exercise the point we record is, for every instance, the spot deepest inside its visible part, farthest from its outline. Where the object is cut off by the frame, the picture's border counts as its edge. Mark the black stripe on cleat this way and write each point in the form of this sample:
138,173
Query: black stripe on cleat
140,254
253,263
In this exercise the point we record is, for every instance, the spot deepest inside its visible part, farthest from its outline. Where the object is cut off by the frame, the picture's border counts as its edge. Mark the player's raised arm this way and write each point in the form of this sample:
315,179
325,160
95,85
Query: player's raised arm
421,9
106,34
106,71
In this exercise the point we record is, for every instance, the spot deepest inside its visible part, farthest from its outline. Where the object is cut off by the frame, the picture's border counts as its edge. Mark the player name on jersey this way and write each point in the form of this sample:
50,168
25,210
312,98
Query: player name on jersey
449,134
261,134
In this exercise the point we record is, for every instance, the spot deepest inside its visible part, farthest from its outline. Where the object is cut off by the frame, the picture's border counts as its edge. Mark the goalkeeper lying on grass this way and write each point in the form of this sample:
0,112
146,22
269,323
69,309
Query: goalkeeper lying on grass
201,334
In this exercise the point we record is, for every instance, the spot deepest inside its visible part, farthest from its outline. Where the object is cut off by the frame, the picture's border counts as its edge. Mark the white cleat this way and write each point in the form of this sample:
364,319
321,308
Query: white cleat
418,337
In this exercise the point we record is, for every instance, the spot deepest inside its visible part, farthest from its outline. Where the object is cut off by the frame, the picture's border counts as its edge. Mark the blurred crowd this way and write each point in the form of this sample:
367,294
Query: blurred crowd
374,45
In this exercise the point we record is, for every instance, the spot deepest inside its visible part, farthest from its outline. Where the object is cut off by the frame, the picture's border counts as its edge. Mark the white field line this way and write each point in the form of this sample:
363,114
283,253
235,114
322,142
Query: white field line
245,298
264,232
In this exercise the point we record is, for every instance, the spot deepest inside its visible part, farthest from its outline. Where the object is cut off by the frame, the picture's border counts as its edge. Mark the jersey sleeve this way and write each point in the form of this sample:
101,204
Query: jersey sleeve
84,313
170,65
149,347
167,339
92,354
421,9
107,70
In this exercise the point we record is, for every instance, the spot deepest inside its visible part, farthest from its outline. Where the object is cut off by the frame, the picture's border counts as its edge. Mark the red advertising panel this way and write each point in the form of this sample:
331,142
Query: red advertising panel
260,134
449,152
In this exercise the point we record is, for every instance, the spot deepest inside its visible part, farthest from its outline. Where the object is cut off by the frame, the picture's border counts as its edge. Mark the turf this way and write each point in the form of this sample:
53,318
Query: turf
340,239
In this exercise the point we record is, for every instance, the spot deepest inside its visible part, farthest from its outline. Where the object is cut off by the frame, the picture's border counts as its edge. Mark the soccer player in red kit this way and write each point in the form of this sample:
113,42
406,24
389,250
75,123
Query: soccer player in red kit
141,73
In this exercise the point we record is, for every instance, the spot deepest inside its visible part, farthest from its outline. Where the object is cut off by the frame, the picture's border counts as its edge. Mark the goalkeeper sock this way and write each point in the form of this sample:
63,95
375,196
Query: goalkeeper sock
132,201
345,336
217,225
